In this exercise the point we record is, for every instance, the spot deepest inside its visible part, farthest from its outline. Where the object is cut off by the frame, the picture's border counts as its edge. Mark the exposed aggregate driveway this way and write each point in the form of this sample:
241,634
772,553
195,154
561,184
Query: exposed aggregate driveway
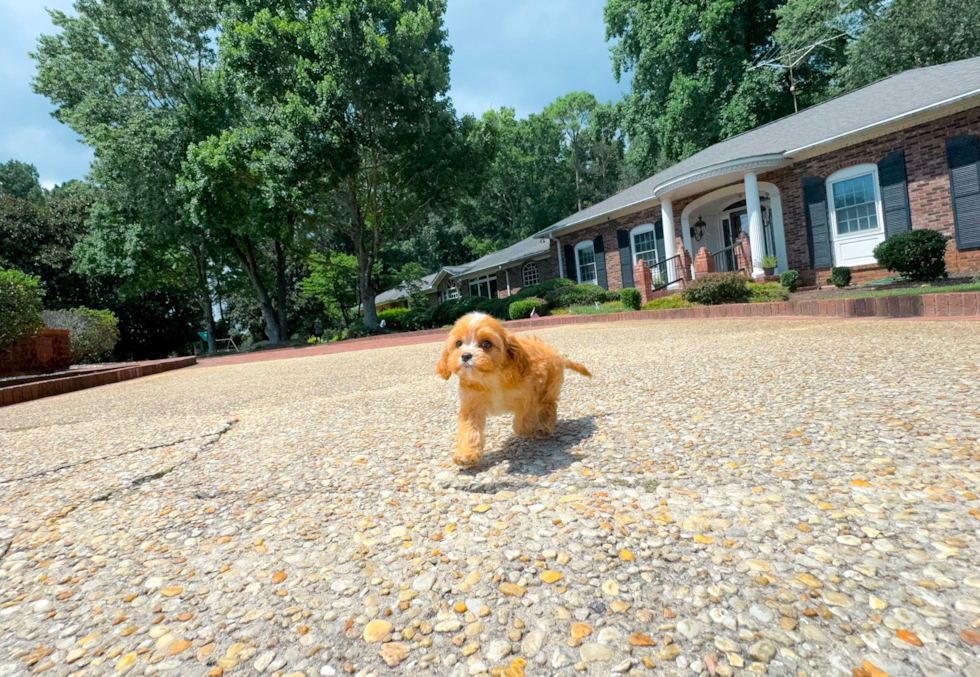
723,498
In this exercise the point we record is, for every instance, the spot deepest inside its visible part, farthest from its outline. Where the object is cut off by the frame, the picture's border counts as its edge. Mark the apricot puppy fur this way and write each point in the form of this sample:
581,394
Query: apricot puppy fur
501,373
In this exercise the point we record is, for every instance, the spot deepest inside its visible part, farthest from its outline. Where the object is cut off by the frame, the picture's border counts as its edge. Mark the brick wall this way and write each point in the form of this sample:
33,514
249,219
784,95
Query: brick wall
44,353
928,185
610,243
547,270
930,203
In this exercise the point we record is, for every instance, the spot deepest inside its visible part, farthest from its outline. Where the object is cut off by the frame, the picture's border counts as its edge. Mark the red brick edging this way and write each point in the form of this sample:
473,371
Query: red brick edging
25,392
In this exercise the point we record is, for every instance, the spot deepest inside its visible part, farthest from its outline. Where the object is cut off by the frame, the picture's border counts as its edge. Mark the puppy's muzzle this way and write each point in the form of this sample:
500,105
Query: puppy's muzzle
466,357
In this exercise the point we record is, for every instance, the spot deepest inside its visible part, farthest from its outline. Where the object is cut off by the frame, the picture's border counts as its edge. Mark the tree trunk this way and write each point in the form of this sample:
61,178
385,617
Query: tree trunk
368,294
281,290
246,256
204,296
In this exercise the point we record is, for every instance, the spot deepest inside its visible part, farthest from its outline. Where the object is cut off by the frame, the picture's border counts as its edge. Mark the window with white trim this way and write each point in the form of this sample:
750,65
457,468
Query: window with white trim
854,198
485,286
449,293
644,241
530,274
585,262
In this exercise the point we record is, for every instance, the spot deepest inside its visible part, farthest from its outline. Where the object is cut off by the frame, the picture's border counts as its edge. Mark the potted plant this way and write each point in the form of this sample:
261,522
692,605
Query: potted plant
769,264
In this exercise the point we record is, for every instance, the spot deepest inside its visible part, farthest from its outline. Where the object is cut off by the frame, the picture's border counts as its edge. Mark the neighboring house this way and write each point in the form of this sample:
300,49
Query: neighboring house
495,275
816,189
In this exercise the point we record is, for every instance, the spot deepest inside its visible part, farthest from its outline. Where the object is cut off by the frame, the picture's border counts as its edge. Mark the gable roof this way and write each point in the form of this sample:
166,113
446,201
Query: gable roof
525,249
888,100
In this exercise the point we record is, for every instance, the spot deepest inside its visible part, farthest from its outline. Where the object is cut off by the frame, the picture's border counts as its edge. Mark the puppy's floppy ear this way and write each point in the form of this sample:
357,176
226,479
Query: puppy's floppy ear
518,356
442,366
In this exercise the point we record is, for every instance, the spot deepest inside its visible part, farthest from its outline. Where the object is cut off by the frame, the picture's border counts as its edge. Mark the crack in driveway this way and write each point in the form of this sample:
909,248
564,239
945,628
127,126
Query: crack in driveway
67,466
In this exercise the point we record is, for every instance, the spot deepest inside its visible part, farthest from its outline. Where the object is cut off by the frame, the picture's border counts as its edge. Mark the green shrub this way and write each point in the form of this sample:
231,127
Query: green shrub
93,333
577,295
612,295
520,310
672,301
918,255
767,292
715,289
790,279
20,306
630,298
604,309
840,276
394,318
541,289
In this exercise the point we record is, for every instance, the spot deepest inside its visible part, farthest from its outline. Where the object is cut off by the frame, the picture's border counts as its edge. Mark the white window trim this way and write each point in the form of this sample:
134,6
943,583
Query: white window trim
578,267
478,281
639,230
853,173
524,268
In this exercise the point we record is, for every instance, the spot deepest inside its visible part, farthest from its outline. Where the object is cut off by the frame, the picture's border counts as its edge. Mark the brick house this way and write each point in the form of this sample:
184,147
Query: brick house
816,189
496,275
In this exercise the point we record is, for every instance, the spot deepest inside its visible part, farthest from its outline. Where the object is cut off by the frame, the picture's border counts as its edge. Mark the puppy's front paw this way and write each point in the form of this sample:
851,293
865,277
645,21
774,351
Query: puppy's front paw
466,458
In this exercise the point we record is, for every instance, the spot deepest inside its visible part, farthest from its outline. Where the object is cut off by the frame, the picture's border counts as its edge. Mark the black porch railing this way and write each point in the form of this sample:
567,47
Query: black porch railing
664,272
725,260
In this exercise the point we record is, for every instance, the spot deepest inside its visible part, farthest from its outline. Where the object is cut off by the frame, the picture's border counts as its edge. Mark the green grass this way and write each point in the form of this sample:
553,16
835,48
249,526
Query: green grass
912,291
604,309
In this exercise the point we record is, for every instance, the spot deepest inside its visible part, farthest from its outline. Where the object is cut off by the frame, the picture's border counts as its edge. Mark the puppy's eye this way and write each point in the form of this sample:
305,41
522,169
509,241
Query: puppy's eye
459,343
486,345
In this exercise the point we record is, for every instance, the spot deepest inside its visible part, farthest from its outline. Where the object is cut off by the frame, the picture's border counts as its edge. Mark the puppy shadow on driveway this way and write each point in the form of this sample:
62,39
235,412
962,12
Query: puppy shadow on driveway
538,456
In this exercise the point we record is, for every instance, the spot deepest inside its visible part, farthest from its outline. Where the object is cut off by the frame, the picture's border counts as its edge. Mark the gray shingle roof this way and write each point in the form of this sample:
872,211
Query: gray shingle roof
524,249
875,104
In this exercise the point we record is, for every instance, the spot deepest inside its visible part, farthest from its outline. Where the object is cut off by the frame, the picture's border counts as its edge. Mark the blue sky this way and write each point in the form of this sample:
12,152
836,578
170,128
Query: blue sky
518,53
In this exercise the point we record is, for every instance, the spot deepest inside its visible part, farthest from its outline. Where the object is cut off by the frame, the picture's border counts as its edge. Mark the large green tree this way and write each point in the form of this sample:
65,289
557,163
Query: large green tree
688,60
136,79
348,110
21,179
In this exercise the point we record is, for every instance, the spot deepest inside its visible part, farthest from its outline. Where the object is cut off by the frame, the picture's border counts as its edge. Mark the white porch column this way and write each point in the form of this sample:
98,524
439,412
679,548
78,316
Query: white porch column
667,214
756,236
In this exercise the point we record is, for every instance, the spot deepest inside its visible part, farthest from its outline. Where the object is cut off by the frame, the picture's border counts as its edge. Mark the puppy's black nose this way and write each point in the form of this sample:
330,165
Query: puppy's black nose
466,357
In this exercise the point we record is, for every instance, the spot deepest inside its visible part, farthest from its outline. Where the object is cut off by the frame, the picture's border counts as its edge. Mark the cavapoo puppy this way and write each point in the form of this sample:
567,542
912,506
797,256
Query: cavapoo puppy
501,373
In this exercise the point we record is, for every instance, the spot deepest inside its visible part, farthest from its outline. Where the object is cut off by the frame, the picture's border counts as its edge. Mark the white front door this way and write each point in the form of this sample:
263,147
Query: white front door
856,219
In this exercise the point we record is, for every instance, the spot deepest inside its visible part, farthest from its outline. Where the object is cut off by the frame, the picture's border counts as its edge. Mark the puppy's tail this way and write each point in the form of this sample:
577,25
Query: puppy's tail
575,366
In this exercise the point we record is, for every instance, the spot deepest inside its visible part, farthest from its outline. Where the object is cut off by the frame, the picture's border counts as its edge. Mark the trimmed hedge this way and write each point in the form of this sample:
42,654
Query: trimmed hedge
20,306
767,292
93,333
394,318
715,289
918,255
520,310
790,279
665,302
579,295
630,298
840,276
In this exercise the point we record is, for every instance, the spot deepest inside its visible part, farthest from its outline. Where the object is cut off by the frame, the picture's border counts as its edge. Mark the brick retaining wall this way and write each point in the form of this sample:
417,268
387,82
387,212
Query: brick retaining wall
48,351
34,390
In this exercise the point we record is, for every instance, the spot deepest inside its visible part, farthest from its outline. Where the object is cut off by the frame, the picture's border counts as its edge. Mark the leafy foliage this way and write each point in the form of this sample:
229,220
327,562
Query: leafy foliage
665,302
767,292
93,333
393,318
790,279
522,309
21,180
714,289
840,276
918,255
575,295
630,298
20,306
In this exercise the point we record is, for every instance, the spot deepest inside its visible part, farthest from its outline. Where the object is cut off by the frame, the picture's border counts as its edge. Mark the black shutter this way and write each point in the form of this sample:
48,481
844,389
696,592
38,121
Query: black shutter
570,263
894,194
625,257
817,222
600,262
963,157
